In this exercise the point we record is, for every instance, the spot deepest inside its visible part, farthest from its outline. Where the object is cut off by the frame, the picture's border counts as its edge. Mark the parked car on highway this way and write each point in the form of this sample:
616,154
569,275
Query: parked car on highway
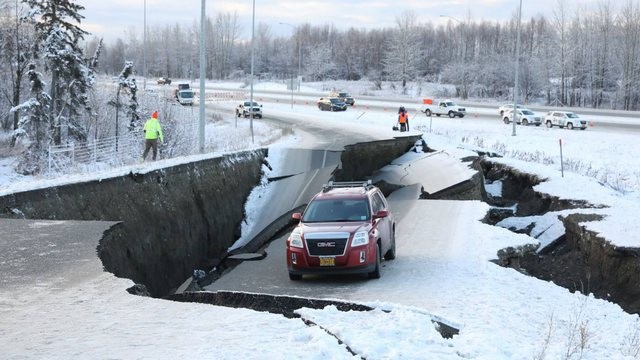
246,108
185,97
347,228
331,104
567,119
164,81
344,96
524,117
508,107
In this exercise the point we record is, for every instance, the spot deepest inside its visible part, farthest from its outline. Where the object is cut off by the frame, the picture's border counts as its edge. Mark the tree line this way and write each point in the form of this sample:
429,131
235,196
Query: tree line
587,56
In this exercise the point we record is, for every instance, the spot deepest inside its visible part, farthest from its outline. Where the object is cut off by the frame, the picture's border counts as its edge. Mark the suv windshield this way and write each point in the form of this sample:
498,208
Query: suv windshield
248,103
330,210
572,116
335,101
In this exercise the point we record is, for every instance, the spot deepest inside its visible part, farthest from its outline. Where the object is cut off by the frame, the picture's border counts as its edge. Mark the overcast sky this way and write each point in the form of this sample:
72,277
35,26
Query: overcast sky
111,19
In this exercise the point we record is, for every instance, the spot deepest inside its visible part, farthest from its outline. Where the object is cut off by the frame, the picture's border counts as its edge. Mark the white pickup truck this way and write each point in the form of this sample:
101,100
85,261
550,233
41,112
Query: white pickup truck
442,107
245,109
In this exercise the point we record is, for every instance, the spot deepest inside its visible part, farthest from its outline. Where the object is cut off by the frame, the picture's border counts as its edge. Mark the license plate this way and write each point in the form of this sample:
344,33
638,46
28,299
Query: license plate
327,261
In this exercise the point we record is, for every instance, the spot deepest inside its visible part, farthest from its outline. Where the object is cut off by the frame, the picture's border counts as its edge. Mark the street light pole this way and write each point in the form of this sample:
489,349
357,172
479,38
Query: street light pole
144,48
253,46
516,85
299,60
299,43
464,43
202,75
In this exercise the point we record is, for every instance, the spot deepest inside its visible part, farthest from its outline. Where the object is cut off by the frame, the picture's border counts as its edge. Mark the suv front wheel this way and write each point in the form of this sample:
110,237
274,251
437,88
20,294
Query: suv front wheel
391,253
295,277
375,274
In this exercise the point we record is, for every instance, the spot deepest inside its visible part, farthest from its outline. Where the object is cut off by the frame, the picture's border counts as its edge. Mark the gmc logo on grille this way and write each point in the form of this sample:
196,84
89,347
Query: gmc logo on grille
326,244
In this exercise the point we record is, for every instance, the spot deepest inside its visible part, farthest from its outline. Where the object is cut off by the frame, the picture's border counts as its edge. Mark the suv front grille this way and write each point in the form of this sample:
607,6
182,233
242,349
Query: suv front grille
326,244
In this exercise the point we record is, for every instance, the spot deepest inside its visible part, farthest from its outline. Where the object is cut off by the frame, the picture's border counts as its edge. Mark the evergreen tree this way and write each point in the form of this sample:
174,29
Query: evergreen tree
58,45
33,125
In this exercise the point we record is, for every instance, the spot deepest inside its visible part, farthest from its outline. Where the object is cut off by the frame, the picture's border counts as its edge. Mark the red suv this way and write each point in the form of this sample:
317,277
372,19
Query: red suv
346,229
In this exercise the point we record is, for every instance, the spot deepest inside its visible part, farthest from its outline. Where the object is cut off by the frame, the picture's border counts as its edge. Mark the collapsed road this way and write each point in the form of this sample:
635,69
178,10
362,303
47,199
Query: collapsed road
209,209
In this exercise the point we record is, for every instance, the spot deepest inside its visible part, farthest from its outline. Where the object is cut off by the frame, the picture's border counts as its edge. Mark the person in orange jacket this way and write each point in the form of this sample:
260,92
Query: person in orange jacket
403,120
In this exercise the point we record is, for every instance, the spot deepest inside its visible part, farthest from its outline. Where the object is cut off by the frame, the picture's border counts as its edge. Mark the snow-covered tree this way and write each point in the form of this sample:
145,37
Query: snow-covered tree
33,124
58,45
318,63
128,84
15,49
403,53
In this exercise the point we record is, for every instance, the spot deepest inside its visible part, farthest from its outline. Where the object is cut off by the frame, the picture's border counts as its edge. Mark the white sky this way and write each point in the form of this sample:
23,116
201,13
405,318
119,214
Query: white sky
501,313
111,19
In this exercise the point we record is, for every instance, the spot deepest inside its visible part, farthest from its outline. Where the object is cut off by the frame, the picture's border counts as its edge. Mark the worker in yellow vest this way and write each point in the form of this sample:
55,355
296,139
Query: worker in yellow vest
152,133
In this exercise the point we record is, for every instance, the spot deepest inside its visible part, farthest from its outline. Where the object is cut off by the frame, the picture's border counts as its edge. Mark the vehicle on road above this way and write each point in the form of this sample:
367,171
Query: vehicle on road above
524,117
246,108
442,107
183,86
185,97
164,81
508,107
344,96
347,228
567,119
331,104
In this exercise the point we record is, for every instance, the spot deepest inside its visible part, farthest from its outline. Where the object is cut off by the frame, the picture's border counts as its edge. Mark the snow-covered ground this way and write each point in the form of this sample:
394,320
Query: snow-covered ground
502,314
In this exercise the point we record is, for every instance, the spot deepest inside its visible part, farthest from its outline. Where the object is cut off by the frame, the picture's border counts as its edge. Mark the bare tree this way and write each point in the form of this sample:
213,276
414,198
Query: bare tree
561,26
402,55
627,53
18,38
319,64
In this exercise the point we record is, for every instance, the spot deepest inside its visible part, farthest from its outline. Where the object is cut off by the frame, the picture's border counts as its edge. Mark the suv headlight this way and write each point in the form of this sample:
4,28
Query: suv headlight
295,240
360,238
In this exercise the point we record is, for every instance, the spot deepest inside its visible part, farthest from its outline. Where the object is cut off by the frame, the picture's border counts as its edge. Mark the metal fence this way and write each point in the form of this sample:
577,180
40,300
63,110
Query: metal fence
117,151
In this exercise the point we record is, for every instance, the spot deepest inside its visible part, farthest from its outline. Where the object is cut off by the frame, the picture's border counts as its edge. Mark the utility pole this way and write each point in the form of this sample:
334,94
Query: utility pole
144,48
253,46
202,76
516,88
299,43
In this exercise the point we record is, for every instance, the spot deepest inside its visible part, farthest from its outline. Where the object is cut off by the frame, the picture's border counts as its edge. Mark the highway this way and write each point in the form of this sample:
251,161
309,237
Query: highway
607,120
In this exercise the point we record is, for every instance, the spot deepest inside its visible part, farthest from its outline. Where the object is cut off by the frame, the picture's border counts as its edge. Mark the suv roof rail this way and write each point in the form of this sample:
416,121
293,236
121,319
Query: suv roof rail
346,184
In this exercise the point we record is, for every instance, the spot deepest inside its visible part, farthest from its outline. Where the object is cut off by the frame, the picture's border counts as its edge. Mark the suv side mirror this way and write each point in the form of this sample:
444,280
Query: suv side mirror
296,216
380,214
